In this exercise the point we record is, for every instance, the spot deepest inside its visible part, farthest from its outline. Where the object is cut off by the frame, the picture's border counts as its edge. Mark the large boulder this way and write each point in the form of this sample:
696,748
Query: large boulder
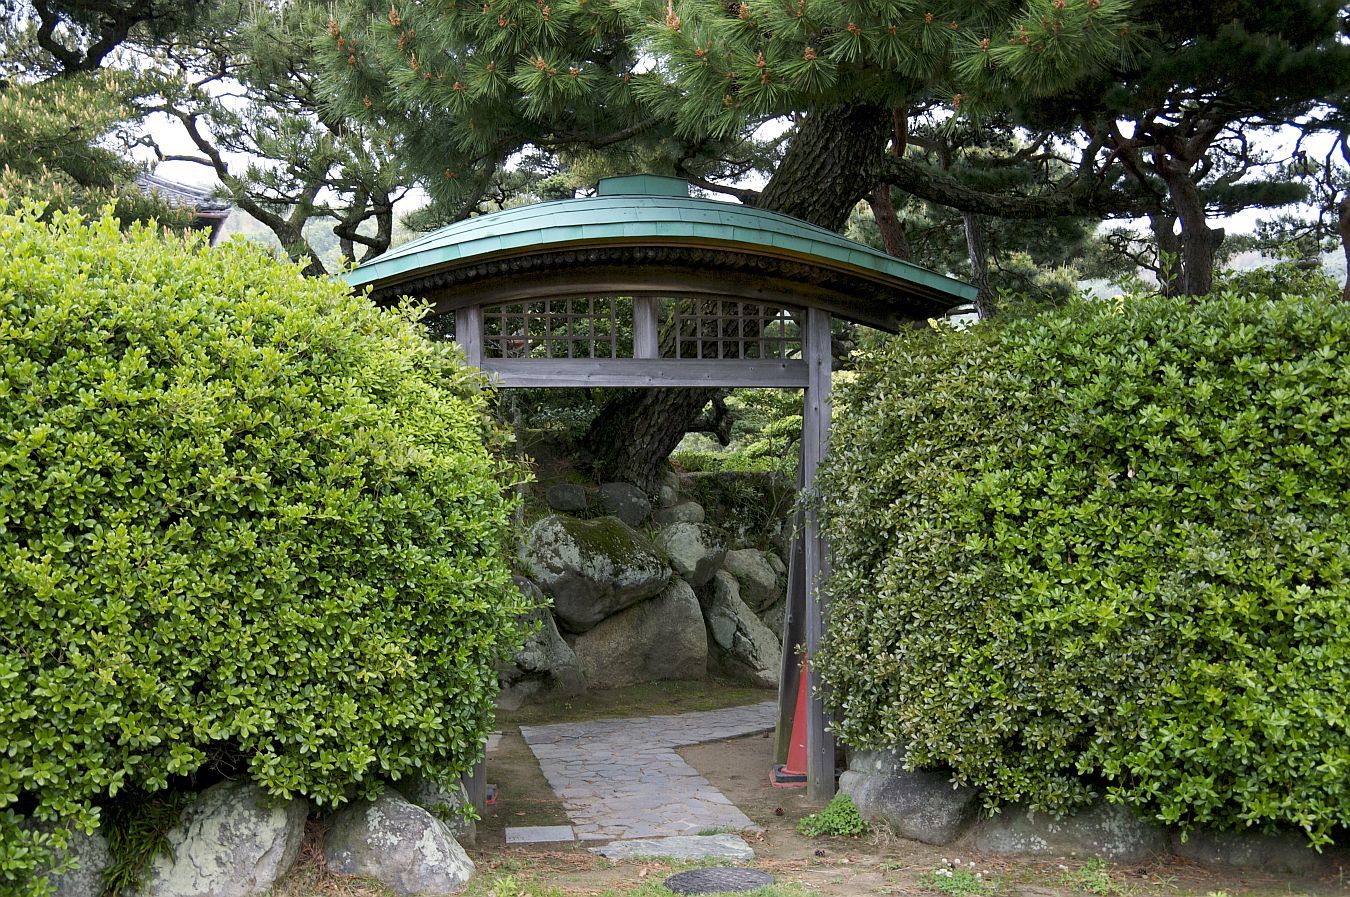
448,804
658,639
760,586
566,497
232,841
398,844
625,501
1103,830
695,550
89,856
681,512
1283,852
773,617
921,804
545,667
742,644
591,568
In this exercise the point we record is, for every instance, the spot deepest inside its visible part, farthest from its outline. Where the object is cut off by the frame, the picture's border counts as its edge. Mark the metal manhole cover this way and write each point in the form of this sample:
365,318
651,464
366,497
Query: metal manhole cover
718,881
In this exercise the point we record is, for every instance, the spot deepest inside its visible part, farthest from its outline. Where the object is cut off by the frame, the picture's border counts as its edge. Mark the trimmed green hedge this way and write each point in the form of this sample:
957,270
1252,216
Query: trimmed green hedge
1104,551
244,517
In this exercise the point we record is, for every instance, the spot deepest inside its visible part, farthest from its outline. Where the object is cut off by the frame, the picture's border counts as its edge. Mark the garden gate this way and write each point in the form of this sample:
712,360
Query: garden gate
643,285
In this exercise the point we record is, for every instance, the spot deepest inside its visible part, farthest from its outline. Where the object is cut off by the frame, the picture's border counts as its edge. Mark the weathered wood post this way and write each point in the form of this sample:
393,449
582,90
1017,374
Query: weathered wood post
815,437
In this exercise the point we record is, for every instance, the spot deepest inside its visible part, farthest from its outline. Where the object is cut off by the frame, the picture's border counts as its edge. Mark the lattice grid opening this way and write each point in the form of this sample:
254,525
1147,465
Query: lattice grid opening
726,328
602,327
559,328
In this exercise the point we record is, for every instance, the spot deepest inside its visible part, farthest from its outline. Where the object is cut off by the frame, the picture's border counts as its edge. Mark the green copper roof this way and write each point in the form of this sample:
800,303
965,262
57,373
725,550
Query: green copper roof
641,210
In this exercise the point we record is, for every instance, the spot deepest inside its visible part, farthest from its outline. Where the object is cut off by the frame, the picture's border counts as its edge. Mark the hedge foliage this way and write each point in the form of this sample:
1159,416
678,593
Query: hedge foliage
243,515
1104,552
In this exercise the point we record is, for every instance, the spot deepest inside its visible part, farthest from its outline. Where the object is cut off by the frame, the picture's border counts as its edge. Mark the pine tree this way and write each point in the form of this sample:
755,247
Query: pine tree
466,85
1182,115
243,85
54,149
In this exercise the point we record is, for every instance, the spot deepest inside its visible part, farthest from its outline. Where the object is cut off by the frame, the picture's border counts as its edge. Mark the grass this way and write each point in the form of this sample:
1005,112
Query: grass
647,699
1093,877
839,818
955,882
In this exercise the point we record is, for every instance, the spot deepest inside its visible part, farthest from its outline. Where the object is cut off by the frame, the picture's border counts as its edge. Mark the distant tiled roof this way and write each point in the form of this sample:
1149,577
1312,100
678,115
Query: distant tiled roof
203,200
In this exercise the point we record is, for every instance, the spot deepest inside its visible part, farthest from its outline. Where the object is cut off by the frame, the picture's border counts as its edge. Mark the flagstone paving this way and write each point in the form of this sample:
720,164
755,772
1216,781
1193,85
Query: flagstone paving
621,778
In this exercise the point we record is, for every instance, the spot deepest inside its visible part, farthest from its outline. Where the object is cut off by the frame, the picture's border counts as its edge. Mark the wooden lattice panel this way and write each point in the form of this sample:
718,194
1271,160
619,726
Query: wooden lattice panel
559,328
728,329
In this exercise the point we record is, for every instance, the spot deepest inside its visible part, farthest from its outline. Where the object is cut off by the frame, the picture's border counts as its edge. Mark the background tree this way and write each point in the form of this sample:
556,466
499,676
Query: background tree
1182,117
66,122
244,89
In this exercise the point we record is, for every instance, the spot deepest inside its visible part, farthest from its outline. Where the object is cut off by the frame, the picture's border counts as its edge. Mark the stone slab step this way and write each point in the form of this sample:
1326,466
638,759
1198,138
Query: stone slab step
680,847
521,835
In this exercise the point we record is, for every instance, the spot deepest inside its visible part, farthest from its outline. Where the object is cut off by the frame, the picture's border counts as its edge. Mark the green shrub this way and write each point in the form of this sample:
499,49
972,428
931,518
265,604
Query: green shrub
1103,551
839,818
245,519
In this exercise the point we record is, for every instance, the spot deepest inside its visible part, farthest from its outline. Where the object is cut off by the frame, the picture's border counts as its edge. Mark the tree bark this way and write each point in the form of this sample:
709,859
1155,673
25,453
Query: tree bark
893,235
1165,237
831,163
1199,242
978,248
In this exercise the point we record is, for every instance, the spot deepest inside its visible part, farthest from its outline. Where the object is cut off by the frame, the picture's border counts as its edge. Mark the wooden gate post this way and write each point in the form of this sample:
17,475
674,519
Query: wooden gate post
815,437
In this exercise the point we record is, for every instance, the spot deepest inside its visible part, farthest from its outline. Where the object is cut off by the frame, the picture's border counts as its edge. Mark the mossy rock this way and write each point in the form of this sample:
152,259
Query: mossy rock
592,569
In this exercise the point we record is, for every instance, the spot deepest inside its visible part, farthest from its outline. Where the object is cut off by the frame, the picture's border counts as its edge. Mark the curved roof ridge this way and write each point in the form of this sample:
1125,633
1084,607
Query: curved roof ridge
647,219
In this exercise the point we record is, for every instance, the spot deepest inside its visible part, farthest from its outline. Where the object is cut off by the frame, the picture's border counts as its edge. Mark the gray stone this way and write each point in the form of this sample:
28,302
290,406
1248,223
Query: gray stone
877,763
231,841
566,497
449,805
695,550
760,586
683,512
1103,830
1284,852
625,501
743,645
662,638
669,496
680,847
779,568
89,856
540,834
545,667
921,805
398,844
591,568
772,617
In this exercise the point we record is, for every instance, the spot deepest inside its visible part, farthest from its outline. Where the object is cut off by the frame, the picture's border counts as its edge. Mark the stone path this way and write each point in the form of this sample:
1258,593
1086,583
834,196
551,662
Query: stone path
621,778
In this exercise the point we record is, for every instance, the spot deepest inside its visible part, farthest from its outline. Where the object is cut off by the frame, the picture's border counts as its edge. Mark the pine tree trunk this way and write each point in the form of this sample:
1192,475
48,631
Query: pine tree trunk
831,163
1169,252
893,235
978,248
1199,242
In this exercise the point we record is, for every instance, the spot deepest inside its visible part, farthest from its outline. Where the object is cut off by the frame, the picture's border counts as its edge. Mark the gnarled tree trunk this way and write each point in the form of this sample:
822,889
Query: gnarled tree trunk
831,162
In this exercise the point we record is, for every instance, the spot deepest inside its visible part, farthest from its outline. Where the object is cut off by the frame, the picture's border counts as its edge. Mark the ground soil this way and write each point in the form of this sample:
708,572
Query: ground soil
876,864
829,867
